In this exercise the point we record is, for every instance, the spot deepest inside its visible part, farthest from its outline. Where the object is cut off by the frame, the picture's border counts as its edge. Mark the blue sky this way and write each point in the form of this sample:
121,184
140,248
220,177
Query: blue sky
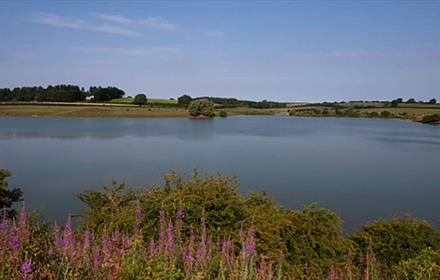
286,51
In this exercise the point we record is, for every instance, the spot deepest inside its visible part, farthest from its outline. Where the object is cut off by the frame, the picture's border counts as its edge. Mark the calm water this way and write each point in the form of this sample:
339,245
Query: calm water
361,168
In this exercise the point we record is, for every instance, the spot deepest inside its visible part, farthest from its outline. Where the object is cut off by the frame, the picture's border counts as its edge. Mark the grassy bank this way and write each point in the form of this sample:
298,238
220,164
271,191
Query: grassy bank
109,110
414,112
88,111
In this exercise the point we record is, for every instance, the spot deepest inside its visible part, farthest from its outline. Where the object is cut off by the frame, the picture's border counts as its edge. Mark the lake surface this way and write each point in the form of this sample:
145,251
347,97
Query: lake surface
363,169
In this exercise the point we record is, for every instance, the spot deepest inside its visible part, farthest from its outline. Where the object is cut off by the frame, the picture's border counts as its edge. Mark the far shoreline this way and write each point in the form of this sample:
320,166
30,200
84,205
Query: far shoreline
108,110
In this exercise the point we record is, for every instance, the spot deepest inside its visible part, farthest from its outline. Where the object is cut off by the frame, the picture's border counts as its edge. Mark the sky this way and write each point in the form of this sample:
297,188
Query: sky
275,50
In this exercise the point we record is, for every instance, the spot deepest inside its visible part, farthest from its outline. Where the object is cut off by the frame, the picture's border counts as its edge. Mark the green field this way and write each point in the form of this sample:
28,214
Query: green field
129,100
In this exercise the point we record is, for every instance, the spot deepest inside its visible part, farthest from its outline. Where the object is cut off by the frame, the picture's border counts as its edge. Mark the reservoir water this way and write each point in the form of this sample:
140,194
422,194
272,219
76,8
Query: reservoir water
363,169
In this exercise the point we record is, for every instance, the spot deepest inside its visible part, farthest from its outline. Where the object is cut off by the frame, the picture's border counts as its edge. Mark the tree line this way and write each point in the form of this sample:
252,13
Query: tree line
221,102
59,93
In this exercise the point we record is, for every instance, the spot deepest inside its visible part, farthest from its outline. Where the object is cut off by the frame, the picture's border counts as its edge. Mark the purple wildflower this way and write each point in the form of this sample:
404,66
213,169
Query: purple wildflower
68,242
249,245
170,240
26,268
116,235
106,247
138,218
201,252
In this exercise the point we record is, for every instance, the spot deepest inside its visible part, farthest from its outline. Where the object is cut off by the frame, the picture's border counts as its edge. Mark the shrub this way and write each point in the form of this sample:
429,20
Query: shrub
223,114
140,99
431,118
385,114
295,233
184,100
8,196
397,239
425,266
201,107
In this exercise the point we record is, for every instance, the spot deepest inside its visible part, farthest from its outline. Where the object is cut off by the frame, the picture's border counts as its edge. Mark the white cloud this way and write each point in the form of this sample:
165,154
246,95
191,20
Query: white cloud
111,24
149,21
157,22
157,52
114,18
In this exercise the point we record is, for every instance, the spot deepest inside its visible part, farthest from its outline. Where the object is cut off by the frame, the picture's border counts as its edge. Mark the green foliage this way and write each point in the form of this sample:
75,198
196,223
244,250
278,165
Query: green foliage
309,238
394,103
223,114
8,196
59,93
433,101
425,266
397,239
201,107
385,114
234,103
184,100
431,118
411,100
105,94
140,99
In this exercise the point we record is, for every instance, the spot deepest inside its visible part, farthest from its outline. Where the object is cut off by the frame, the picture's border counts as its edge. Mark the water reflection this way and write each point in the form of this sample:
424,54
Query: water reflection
361,168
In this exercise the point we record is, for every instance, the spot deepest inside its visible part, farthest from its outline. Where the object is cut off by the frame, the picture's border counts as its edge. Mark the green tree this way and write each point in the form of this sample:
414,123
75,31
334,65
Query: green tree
201,107
184,100
140,99
394,103
433,101
8,196
411,100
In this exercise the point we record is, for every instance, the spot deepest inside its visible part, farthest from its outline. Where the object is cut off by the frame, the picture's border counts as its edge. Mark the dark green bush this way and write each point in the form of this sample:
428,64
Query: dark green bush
201,108
385,114
140,99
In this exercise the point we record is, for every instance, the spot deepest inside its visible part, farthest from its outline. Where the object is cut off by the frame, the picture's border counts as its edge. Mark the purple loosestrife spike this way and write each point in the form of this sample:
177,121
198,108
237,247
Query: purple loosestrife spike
170,240
26,268
96,259
106,247
138,218
116,235
126,241
249,246
14,241
87,241
179,224
68,241
23,213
